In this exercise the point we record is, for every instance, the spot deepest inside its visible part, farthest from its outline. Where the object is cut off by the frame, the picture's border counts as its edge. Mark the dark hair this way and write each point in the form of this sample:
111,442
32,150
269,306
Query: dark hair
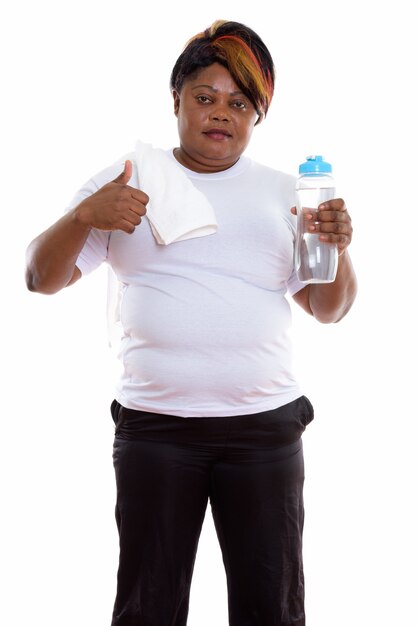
240,50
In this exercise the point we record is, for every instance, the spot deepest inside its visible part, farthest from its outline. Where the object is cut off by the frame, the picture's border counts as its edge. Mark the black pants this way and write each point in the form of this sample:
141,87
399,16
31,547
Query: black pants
251,469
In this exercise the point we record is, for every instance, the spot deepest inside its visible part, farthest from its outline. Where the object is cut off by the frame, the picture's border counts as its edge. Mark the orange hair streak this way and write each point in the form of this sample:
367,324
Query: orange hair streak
246,66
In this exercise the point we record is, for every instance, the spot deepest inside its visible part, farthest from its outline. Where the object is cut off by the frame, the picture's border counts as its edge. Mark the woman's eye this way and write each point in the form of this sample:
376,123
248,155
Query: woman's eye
239,104
203,99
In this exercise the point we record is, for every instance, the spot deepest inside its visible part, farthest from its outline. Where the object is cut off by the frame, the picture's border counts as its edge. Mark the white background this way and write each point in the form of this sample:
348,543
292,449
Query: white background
80,83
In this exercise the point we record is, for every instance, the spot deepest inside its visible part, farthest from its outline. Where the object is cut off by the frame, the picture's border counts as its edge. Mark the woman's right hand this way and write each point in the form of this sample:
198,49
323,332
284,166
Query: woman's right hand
115,206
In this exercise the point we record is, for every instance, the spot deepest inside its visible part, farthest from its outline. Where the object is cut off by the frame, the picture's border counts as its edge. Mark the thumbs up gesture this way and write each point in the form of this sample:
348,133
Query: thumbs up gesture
115,206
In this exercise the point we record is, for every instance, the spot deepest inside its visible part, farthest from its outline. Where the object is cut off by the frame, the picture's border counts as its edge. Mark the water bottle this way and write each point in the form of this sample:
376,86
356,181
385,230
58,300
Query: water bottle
316,261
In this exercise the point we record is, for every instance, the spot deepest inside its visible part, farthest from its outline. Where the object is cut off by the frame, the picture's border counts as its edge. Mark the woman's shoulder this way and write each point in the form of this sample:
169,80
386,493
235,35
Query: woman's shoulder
272,177
270,171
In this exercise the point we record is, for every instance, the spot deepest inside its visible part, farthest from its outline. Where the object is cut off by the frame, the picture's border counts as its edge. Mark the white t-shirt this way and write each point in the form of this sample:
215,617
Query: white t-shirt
205,321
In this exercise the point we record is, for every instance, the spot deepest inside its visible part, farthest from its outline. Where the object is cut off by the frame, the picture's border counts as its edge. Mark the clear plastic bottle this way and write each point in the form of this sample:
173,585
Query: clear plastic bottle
316,261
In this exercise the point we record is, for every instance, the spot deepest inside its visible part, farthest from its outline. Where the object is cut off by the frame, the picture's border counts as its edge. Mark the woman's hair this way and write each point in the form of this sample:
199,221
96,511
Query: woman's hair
240,50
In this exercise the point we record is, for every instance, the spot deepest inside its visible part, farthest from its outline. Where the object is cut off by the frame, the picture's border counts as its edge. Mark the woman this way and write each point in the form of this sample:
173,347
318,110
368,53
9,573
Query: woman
207,407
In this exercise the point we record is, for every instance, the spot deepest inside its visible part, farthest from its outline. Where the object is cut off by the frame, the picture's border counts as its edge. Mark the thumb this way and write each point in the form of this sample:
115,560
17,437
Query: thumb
125,176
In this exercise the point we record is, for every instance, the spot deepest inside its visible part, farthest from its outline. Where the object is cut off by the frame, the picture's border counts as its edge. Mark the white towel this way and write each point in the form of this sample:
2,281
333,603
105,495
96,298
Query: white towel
176,209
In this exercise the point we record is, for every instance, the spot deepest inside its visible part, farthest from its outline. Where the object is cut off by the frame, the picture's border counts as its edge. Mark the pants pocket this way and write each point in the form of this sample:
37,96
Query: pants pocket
308,413
116,413
286,424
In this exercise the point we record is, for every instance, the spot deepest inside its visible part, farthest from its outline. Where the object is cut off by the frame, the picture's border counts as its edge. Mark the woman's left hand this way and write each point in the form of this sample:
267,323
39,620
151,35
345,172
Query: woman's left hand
332,222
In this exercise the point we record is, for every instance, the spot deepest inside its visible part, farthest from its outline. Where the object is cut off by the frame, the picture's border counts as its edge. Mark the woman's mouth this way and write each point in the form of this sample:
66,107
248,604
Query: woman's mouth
218,134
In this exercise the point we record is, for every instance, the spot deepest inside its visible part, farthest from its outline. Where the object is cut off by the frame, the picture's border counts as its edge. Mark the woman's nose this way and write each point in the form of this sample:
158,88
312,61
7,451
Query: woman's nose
220,114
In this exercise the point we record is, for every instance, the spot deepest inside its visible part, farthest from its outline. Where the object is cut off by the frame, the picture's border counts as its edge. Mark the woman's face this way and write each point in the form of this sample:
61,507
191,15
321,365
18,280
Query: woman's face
215,120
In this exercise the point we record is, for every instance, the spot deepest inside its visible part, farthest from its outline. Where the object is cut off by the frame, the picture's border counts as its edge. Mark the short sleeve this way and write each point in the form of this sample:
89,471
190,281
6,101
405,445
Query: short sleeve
293,284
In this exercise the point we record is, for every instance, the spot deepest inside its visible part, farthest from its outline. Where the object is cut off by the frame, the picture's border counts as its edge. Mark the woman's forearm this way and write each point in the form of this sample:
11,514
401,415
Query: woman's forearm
330,302
52,256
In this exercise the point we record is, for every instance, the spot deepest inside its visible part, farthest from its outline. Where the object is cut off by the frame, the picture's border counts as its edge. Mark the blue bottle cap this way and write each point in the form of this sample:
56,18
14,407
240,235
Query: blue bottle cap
315,165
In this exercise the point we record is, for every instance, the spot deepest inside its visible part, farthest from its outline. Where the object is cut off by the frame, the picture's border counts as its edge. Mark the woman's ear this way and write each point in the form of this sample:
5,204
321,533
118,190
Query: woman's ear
176,97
